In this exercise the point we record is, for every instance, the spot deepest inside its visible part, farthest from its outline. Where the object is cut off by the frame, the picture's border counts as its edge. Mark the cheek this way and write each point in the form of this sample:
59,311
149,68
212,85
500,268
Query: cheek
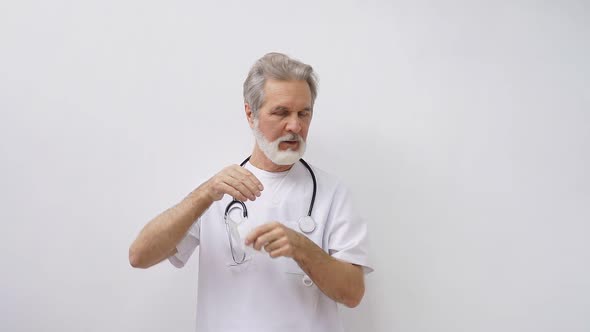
269,131
304,131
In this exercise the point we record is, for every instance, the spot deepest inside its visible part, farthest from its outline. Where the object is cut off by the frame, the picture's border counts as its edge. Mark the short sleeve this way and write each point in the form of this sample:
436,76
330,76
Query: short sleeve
186,246
347,231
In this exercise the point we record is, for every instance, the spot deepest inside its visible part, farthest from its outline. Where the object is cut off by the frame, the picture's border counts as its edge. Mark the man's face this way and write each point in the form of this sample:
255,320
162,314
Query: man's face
283,120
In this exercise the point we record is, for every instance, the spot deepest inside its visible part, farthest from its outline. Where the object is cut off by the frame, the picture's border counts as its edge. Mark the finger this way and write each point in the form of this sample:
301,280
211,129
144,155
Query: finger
246,183
239,186
251,177
258,231
283,251
274,245
248,179
227,189
268,237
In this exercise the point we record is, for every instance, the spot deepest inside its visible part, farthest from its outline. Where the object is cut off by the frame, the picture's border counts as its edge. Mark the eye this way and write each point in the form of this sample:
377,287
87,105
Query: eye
304,114
281,113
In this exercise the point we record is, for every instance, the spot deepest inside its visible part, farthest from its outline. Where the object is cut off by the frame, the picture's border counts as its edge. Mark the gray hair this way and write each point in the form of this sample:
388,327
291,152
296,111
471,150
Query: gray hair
276,66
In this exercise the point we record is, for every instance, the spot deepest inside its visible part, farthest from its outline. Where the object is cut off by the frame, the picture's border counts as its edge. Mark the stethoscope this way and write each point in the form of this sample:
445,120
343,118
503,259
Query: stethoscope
306,223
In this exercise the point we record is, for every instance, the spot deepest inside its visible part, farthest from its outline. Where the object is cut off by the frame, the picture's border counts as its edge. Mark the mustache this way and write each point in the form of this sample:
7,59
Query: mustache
291,137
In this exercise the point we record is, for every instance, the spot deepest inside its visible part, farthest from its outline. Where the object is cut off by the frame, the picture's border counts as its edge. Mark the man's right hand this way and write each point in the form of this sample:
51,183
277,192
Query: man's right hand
158,239
235,181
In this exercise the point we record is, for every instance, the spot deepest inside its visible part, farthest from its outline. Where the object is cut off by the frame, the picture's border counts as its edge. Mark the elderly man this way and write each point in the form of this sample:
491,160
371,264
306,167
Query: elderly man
280,243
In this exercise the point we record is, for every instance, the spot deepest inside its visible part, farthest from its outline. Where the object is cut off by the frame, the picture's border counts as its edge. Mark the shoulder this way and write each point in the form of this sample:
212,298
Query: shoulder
327,181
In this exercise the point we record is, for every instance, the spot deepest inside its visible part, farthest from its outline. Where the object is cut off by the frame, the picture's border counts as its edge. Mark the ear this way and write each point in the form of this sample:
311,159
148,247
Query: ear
249,114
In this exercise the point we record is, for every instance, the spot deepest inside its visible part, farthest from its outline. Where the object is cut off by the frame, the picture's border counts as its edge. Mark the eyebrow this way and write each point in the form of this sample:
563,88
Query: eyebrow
284,108
280,108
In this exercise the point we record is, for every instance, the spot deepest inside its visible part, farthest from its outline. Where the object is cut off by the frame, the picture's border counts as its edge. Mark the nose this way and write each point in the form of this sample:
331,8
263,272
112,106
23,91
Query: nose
294,124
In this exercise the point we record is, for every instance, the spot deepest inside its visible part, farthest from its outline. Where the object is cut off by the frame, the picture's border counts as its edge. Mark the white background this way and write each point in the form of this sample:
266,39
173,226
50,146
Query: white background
462,128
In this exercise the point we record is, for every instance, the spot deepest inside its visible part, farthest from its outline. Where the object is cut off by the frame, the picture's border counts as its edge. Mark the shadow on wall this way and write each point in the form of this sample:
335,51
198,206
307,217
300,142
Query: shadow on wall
369,165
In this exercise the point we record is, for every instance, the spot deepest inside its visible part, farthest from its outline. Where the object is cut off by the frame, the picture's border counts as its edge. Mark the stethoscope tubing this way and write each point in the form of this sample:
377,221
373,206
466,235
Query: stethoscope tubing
302,225
315,187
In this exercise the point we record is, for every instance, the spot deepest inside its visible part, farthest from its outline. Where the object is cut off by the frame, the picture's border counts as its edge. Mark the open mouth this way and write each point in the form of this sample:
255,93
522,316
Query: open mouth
293,145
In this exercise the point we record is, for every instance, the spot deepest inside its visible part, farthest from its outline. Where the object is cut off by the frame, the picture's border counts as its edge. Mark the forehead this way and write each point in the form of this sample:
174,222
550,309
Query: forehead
292,94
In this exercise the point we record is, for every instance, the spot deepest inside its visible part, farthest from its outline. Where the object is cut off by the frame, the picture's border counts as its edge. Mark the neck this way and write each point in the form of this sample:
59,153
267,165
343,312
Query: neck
259,160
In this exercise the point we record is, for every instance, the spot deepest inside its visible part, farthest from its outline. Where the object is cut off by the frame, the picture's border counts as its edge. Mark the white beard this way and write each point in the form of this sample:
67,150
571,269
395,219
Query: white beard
271,149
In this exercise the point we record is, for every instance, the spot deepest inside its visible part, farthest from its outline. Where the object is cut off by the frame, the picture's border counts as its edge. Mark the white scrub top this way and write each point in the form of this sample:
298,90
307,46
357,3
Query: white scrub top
266,294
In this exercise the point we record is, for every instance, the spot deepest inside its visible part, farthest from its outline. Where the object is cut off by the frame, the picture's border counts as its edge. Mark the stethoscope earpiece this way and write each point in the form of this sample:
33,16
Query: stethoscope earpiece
306,223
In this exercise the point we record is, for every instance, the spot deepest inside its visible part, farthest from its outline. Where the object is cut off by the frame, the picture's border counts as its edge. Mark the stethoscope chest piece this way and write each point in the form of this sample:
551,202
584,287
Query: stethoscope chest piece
307,224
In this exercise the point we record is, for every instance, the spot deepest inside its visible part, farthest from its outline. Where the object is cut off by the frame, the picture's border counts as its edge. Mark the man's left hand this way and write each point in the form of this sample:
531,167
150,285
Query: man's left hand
277,239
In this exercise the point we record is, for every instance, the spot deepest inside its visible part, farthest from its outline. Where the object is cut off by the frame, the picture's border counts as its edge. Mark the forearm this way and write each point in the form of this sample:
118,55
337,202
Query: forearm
158,239
341,281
